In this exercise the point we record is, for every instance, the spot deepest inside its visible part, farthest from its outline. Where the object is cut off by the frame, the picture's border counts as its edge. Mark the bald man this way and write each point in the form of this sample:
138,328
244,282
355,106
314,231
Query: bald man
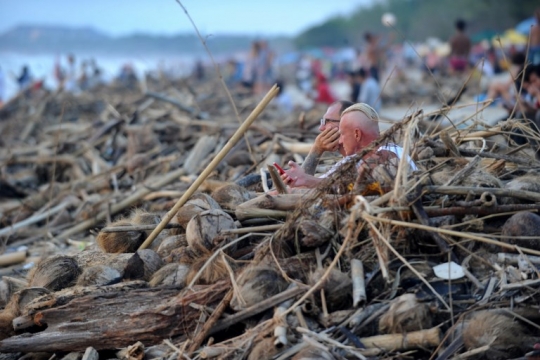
359,127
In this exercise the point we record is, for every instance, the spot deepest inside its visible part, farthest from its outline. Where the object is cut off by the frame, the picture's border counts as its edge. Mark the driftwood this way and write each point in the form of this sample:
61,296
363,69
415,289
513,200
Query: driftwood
112,321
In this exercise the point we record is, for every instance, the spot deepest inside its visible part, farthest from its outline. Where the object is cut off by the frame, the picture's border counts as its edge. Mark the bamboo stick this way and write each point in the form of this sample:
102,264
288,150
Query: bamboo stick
112,229
415,339
358,282
228,146
12,258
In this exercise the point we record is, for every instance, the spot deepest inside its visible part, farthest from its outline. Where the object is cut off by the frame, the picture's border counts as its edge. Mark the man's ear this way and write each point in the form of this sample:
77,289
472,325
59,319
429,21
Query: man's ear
357,134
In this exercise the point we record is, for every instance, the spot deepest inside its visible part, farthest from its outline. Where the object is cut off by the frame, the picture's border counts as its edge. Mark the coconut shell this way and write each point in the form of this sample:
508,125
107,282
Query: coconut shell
182,255
264,349
170,243
405,314
215,271
337,287
257,284
55,273
142,265
231,195
522,224
170,274
120,242
8,287
529,182
506,337
99,275
313,353
89,258
203,230
239,158
196,204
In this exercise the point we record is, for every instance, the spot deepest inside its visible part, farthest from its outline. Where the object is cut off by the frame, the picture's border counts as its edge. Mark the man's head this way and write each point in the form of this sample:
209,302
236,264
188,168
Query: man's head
531,77
359,126
332,115
461,25
361,74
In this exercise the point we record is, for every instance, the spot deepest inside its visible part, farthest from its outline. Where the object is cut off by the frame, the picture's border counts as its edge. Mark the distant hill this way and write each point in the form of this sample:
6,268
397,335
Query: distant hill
35,39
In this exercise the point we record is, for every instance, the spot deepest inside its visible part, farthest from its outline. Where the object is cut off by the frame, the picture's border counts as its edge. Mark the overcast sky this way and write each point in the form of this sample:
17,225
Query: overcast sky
121,17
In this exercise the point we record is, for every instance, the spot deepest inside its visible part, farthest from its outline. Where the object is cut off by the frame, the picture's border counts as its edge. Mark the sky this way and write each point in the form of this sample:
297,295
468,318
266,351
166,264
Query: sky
166,17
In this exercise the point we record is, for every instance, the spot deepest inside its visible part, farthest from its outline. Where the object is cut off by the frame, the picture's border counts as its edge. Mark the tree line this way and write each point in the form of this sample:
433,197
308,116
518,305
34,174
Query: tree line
417,20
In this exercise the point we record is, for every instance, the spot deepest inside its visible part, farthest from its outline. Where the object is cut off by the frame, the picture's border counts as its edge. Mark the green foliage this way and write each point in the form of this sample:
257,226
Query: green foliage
418,20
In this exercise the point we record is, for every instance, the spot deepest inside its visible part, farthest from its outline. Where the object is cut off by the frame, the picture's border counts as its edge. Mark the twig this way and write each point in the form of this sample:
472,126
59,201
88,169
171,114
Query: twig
461,190
448,232
199,338
514,159
463,173
256,309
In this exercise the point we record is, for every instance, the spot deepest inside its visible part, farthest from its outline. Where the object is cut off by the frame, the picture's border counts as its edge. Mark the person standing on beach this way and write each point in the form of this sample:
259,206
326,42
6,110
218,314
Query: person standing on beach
370,91
373,55
460,45
2,87
534,46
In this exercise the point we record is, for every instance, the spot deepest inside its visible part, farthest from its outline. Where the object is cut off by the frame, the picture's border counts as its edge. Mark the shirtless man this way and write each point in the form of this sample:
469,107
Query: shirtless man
534,47
460,45
373,55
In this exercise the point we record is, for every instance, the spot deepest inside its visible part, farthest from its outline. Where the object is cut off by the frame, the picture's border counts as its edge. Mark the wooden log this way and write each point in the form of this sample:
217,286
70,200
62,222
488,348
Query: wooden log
115,320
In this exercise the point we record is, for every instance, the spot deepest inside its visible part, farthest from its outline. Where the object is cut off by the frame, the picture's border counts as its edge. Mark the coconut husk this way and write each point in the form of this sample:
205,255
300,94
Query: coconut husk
203,230
504,336
99,275
519,225
170,274
406,314
198,203
55,273
256,284
231,195
120,242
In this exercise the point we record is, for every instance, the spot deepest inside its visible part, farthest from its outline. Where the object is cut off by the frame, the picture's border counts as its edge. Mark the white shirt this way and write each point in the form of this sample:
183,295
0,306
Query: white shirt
393,148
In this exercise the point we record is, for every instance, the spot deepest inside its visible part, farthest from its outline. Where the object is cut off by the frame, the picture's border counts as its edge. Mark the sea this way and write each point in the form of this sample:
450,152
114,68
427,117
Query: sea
42,66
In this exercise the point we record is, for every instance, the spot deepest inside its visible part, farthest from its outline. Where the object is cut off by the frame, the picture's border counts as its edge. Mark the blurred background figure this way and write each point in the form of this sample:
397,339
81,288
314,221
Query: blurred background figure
534,46
59,74
370,91
2,87
460,45
71,74
127,77
24,80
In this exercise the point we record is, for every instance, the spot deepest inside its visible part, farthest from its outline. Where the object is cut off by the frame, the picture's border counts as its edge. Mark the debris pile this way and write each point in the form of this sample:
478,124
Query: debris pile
439,263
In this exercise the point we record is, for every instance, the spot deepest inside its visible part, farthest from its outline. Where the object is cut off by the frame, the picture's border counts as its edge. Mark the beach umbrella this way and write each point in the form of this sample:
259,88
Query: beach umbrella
525,26
510,37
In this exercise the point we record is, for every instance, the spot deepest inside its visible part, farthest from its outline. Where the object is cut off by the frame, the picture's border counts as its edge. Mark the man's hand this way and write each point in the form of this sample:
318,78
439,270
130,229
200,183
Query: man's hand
296,177
328,140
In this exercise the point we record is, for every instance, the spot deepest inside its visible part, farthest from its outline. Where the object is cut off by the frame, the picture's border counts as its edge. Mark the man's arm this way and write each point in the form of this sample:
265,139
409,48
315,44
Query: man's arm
328,140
